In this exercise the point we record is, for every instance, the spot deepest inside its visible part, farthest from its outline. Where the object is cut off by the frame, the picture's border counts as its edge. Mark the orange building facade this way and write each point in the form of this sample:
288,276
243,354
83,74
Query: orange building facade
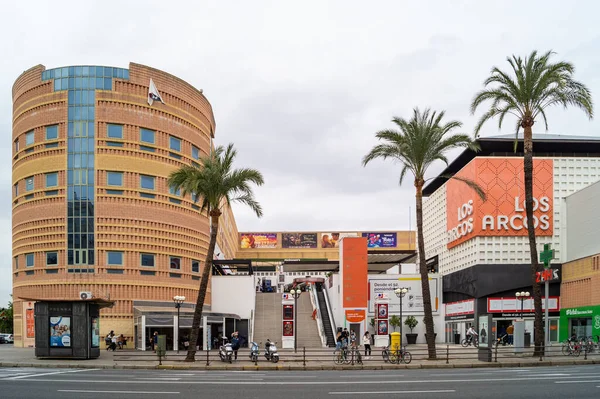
91,209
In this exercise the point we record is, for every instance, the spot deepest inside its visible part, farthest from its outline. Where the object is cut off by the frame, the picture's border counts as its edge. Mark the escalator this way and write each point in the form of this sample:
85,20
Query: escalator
325,315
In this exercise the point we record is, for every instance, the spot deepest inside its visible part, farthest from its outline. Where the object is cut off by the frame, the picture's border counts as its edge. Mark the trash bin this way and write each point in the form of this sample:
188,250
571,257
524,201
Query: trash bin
527,340
396,340
457,339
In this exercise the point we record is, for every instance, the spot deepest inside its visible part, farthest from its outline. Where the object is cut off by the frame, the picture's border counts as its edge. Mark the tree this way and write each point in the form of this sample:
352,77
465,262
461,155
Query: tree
395,322
420,142
6,318
216,184
533,85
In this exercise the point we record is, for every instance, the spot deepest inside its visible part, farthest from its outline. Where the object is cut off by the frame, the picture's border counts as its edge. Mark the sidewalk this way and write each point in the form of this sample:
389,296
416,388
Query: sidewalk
451,356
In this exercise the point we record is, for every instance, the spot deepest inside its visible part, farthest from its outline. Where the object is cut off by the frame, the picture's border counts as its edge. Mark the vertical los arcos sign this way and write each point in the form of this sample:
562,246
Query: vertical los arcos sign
503,211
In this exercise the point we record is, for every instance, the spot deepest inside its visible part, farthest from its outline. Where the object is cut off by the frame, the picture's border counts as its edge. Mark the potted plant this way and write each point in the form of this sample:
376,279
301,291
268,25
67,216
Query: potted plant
411,322
395,322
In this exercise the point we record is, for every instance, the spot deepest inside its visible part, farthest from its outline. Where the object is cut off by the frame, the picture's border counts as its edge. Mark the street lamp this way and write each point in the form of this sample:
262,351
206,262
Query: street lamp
178,301
296,295
400,292
522,296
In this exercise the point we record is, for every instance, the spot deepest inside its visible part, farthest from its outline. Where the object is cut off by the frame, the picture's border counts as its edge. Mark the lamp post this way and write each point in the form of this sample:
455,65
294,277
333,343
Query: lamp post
400,292
178,301
522,296
296,294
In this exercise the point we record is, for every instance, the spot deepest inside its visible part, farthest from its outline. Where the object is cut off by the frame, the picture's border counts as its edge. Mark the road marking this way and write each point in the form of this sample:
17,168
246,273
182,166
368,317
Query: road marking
576,382
159,378
378,375
132,392
53,373
391,392
544,375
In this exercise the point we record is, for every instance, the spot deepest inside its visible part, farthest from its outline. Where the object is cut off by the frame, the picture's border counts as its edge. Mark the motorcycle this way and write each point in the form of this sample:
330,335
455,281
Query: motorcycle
271,351
226,353
254,352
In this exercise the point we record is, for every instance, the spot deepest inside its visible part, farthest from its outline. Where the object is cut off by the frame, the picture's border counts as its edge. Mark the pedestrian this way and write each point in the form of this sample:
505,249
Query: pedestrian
113,344
353,339
235,344
339,340
366,341
155,340
510,330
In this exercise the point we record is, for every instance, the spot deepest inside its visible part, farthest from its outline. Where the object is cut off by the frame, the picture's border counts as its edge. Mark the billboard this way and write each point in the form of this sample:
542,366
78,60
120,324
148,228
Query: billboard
60,331
503,211
298,240
258,240
412,302
332,240
381,240
30,323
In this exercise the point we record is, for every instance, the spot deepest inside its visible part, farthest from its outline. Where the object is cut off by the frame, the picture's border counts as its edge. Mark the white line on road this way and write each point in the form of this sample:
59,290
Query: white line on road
378,375
53,373
577,382
391,392
159,378
133,392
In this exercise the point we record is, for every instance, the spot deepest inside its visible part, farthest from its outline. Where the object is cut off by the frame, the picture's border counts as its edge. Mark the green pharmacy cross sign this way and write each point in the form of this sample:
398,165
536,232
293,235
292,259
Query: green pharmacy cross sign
546,256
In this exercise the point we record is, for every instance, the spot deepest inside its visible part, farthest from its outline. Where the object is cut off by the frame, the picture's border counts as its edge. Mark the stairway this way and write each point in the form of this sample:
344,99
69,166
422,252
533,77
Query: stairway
325,315
307,328
267,317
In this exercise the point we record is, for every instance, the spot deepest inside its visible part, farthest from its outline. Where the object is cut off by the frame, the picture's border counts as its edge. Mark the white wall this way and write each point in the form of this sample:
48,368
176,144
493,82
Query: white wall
570,175
583,221
233,294
333,294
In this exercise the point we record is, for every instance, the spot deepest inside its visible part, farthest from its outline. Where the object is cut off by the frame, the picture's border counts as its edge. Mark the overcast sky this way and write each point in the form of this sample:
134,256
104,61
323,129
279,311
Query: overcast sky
301,87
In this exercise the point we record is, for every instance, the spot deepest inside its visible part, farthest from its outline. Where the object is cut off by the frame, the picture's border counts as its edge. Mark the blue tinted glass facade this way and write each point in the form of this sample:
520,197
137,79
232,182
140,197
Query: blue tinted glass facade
81,82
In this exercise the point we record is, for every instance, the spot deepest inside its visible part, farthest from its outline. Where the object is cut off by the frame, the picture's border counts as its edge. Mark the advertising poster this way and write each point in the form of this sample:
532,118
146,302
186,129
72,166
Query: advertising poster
381,240
30,322
60,331
258,240
299,240
382,327
288,328
95,332
382,310
483,332
288,312
332,240
412,302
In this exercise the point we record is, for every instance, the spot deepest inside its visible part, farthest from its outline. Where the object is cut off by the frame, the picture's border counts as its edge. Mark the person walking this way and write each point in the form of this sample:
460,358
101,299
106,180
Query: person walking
510,331
366,341
155,341
235,344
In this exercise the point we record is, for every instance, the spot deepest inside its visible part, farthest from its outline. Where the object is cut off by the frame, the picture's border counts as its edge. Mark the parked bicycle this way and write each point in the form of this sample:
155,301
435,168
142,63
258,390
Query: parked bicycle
572,347
396,356
347,355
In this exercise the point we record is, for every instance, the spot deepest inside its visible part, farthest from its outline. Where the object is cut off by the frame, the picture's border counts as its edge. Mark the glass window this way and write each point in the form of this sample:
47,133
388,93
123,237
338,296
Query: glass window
16,189
114,258
195,152
194,197
114,179
174,191
51,132
175,262
29,184
174,143
147,136
51,258
52,179
147,259
195,266
29,138
147,182
17,145
16,262
29,260
115,131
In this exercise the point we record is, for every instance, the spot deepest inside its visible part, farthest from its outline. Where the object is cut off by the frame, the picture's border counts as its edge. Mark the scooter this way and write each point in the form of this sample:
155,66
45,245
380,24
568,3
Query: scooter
271,351
226,353
254,352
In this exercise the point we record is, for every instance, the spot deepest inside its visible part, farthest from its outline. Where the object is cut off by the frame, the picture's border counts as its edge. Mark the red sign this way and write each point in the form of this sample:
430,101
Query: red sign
382,327
546,275
288,312
382,310
288,328
30,323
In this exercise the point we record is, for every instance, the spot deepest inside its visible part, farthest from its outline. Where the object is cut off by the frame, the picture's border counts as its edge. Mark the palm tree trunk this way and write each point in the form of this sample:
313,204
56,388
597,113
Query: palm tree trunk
214,227
430,337
537,292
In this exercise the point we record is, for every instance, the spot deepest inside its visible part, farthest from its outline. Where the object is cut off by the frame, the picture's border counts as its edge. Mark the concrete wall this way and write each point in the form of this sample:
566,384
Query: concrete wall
234,294
583,219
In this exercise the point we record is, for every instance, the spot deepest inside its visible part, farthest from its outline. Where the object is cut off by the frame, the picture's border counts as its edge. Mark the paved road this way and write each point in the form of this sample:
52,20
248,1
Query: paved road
538,382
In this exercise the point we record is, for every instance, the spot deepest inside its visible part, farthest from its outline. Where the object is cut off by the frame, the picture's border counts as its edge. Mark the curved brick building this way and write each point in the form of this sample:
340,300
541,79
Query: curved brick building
92,212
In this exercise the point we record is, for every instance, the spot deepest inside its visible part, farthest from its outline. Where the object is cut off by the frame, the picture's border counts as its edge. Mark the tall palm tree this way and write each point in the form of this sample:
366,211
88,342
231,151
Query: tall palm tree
217,184
417,144
526,92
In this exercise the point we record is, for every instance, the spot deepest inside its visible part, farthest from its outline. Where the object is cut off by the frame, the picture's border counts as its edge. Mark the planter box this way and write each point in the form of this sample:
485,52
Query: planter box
411,339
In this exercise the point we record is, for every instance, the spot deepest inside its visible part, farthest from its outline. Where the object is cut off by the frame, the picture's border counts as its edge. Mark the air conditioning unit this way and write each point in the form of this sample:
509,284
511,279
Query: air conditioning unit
85,295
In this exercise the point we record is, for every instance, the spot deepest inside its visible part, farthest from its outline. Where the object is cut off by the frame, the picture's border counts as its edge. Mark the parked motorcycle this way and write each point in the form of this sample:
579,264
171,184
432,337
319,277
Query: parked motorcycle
226,353
254,352
271,351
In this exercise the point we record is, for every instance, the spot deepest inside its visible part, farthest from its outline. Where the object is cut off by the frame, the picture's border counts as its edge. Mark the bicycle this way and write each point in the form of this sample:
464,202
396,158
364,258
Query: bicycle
400,355
468,341
340,356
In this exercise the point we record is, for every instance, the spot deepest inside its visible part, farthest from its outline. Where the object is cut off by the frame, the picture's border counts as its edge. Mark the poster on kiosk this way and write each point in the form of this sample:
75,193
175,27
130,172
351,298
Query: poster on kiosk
287,321
382,305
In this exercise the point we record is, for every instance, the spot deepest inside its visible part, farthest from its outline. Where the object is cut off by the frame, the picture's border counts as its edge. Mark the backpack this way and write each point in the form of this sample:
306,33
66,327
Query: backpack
235,343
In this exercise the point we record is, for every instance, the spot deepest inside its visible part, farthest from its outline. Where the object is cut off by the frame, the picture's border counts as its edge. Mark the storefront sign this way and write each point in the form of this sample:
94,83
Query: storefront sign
503,305
460,307
355,316
503,211
582,321
547,275
412,302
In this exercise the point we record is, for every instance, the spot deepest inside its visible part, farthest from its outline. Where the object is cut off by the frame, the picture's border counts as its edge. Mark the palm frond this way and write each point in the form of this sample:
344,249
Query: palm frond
472,184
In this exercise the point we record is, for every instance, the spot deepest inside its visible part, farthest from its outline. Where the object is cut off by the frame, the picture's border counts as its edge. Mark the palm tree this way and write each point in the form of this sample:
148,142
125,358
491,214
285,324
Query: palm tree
533,85
420,142
217,185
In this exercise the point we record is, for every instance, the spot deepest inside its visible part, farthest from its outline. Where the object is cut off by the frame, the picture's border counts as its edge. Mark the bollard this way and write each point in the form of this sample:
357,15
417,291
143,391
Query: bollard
496,353
585,351
541,353
207,354
304,356
447,353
